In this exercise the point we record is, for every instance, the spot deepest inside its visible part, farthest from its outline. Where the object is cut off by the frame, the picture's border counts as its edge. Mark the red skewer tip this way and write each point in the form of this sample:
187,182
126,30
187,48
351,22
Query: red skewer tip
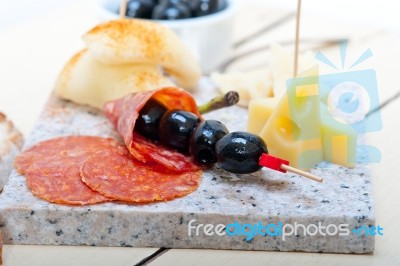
272,162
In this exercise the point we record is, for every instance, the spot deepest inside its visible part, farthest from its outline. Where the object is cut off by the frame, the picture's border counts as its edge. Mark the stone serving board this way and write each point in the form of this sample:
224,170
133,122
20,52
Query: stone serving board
222,198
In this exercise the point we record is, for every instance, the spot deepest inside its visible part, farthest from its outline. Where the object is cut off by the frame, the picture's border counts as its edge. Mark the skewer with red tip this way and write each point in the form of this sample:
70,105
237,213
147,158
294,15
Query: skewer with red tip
279,164
237,152
282,165
244,153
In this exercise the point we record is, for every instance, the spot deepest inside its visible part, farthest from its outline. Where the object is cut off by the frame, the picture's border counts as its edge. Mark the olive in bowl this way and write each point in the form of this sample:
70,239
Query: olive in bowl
210,36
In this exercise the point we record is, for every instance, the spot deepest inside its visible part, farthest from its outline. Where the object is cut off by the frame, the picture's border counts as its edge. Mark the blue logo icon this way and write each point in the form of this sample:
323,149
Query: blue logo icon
347,103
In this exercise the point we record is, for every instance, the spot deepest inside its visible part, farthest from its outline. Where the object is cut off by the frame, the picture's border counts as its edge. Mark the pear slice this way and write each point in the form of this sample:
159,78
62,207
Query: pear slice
84,80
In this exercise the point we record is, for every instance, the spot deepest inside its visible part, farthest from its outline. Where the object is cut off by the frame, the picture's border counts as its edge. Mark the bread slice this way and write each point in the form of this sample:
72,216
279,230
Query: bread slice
11,141
136,41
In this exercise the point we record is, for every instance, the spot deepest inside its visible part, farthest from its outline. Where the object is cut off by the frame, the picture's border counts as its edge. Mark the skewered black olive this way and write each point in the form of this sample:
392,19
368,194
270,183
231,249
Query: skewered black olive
147,124
239,152
176,128
203,140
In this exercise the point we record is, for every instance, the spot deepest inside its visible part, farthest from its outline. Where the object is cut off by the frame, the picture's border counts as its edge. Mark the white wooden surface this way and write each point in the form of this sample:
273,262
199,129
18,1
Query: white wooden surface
32,53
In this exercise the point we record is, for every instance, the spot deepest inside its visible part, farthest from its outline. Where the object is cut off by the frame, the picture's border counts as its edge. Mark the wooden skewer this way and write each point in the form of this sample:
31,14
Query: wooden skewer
282,165
302,173
295,69
296,45
122,8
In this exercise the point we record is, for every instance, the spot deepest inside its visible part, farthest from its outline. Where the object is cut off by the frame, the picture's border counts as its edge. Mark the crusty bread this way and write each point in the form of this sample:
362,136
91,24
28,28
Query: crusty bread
125,56
132,41
84,80
11,142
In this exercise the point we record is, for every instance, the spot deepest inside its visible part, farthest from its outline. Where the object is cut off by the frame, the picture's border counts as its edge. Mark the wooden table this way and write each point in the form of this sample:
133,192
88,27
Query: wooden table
33,52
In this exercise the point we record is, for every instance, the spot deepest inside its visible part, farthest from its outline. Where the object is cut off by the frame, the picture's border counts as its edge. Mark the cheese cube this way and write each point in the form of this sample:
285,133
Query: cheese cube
250,85
282,67
259,112
339,140
293,131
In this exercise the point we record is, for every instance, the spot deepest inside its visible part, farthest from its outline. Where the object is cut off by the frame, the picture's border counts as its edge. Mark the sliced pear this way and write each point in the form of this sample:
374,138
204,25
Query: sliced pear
84,80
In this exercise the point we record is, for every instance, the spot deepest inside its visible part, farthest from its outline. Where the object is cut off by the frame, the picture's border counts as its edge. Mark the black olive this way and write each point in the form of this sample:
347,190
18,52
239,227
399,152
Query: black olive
203,140
176,128
239,152
140,8
205,7
148,122
171,10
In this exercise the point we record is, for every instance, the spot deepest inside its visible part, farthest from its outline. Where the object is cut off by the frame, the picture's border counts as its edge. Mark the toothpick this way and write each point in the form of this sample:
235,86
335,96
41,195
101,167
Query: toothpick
122,8
302,173
296,44
282,165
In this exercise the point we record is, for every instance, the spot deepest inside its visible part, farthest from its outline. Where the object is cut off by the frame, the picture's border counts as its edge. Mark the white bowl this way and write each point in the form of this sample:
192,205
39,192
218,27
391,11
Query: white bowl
210,37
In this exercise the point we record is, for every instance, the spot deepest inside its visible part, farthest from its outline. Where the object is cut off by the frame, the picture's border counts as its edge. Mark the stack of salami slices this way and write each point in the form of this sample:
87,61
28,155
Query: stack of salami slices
80,170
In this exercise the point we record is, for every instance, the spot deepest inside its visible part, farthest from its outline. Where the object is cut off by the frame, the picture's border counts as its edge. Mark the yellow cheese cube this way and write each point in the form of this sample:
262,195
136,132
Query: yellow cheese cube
282,67
293,131
300,129
259,112
339,140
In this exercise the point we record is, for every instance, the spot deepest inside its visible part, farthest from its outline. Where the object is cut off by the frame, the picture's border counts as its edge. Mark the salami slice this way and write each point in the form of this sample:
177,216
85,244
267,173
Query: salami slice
118,175
52,168
84,144
168,158
124,112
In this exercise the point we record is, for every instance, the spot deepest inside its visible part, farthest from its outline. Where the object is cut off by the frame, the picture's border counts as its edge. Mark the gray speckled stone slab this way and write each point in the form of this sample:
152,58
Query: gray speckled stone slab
222,198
